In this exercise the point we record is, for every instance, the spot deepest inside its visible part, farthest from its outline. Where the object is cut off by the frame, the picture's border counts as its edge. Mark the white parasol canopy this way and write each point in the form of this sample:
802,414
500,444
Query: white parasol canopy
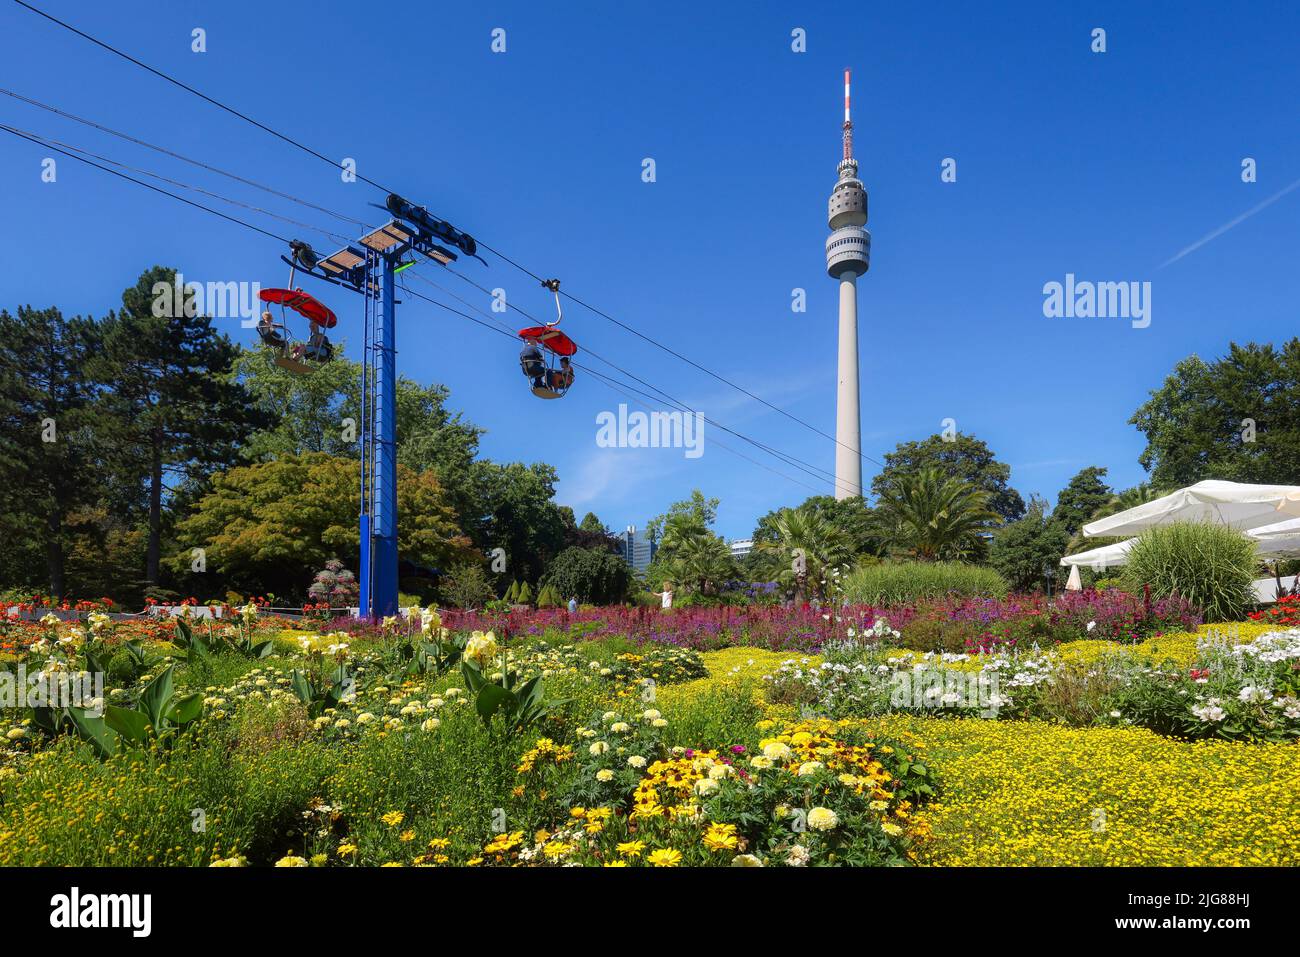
1234,504
1103,557
1279,545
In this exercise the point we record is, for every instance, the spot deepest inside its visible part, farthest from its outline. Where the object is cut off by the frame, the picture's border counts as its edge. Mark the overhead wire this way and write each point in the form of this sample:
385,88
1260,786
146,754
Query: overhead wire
512,262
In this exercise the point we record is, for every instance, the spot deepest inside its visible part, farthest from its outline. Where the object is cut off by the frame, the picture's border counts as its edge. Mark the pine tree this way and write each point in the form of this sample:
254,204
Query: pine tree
179,412
525,594
50,433
512,593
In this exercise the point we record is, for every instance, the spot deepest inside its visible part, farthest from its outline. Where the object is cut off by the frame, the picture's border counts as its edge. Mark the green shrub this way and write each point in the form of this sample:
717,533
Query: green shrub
1209,565
906,582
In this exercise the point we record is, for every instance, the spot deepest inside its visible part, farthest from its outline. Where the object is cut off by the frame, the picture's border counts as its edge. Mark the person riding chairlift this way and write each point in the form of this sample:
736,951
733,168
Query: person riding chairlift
268,333
318,346
530,360
561,378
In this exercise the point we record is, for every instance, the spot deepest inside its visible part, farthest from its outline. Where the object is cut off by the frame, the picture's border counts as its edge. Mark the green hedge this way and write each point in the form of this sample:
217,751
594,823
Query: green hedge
906,582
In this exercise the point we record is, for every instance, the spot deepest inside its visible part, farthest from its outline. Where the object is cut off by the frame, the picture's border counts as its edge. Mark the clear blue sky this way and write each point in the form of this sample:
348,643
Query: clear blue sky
1103,165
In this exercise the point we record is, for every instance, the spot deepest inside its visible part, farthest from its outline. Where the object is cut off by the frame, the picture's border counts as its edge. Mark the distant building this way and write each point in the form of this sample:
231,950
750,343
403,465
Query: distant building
637,550
741,547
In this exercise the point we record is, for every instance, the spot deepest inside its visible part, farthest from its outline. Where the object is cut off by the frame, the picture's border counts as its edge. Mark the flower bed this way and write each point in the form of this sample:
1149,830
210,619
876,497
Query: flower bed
422,747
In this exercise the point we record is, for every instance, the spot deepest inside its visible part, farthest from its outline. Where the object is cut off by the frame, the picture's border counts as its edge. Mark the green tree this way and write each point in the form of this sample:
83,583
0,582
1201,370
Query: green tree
177,412
965,458
1235,418
268,526
808,532
467,586
850,515
514,508
697,508
307,412
932,516
52,436
1080,499
594,576
1026,550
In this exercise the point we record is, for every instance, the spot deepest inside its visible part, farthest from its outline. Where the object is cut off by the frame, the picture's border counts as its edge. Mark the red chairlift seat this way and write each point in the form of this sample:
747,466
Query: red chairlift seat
557,344
305,304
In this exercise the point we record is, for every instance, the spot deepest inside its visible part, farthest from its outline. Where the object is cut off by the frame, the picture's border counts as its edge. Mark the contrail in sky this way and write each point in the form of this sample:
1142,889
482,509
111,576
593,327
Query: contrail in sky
1228,225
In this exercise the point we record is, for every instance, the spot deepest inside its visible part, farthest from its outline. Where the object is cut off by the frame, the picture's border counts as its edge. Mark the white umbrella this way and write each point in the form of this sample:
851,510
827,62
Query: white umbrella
1108,556
1102,557
1290,527
1234,504
1074,583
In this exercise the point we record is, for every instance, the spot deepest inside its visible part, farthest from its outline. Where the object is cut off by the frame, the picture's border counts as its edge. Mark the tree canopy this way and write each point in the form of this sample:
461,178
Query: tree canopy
962,457
1235,418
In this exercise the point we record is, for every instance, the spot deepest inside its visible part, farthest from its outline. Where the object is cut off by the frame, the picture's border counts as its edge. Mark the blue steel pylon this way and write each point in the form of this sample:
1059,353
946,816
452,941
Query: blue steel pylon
379,453
371,271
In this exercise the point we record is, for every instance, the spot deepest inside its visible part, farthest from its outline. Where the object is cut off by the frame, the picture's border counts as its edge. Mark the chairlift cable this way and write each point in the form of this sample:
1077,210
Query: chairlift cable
307,149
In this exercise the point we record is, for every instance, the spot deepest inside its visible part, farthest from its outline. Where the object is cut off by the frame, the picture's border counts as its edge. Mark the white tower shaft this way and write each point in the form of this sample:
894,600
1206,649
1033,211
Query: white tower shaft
848,256
848,429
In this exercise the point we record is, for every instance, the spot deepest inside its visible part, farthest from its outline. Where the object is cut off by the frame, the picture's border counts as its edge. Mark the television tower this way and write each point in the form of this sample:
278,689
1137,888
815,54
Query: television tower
848,255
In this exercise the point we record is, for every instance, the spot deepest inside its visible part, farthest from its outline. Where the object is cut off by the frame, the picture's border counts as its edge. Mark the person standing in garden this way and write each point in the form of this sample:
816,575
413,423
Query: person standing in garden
573,605
666,595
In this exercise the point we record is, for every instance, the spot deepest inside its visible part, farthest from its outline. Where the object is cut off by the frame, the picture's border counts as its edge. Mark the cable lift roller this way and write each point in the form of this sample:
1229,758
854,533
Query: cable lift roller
543,346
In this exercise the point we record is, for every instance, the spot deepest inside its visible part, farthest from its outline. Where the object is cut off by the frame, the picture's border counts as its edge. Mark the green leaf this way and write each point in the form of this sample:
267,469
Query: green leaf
154,698
186,709
301,686
131,726
95,730
490,700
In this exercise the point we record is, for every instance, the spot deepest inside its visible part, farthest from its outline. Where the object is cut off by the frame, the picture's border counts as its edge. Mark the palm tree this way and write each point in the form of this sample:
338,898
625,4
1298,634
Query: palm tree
701,562
824,546
933,517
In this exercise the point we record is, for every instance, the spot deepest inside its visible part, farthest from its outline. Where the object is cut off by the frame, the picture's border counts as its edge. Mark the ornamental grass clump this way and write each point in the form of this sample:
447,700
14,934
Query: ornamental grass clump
1209,565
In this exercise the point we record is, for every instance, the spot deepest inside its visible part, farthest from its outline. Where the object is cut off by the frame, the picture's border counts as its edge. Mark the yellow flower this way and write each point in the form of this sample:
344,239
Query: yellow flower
631,848
721,837
393,818
347,850
481,646
290,861
665,857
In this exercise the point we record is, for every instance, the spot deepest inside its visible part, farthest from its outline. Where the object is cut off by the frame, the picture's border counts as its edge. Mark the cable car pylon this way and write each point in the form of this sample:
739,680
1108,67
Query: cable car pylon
369,267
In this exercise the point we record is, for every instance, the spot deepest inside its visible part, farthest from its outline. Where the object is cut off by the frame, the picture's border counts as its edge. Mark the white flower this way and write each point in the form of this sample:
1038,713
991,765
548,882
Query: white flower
604,775
430,724
636,761
598,748
823,819
1251,694
705,786
797,856
776,751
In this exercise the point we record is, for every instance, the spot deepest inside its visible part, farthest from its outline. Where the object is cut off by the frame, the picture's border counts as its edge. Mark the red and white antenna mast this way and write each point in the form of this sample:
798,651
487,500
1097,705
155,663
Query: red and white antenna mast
848,123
